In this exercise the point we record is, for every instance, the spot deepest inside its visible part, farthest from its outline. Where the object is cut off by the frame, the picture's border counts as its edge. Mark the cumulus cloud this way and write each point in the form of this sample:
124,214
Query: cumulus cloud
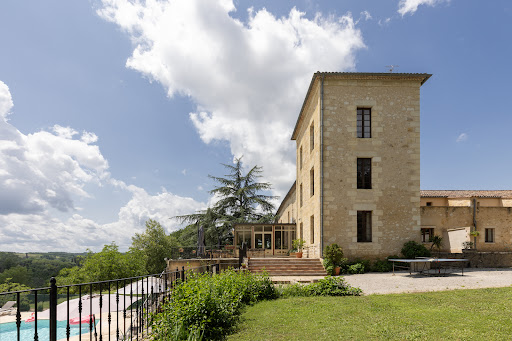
44,232
45,169
45,172
411,6
248,79
462,137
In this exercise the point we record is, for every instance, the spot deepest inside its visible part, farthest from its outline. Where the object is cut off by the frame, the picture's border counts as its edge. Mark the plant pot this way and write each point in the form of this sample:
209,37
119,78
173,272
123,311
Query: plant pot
298,254
337,271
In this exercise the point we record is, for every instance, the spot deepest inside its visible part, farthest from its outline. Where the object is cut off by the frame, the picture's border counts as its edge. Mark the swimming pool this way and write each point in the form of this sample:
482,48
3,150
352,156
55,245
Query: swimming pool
8,331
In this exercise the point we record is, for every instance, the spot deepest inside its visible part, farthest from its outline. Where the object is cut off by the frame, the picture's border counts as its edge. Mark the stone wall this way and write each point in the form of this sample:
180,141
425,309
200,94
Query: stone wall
287,212
497,218
310,161
394,148
483,259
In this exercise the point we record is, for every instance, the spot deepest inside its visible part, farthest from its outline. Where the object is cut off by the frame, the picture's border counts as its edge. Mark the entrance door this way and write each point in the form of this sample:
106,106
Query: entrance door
267,243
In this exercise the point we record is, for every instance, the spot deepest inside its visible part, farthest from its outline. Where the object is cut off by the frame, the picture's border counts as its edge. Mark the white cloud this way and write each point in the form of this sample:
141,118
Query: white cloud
44,232
366,15
5,100
384,22
248,79
45,172
462,137
411,6
184,172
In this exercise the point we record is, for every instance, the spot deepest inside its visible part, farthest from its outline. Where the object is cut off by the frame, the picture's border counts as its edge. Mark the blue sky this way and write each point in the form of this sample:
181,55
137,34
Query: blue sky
113,112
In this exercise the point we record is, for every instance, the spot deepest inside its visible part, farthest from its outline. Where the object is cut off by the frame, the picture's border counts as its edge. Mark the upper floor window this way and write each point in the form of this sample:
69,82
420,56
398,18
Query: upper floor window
364,173
300,157
312,136
364,123
312,182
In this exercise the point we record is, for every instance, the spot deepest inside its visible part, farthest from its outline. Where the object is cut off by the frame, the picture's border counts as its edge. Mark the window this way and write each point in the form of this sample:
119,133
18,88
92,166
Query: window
429,203
300,195
489,235
312,230
364,123
426,234
301,229
300,157
364,226
312,136
312,182
364,173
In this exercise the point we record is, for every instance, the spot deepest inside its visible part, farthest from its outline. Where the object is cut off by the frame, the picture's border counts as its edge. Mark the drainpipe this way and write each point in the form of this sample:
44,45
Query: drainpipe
474,220
322,166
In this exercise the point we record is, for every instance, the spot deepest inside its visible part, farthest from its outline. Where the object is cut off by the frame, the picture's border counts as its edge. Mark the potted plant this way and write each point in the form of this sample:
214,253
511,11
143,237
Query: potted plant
436,242
333,255
297,244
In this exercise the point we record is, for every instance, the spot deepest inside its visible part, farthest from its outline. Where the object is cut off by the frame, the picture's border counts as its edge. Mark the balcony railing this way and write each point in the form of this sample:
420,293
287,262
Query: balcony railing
118,309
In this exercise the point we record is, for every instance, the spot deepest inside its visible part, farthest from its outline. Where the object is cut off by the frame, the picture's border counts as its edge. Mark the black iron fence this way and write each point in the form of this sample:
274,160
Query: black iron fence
119,309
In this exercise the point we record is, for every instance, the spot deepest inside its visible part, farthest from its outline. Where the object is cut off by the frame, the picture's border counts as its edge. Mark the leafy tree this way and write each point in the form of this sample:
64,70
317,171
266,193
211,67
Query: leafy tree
154,245
8,260
240,197
186,237
240,201
105,265
17,274
10,286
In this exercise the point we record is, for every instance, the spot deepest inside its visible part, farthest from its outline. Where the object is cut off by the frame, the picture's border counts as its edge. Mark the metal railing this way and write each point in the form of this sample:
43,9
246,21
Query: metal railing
118,309
207,252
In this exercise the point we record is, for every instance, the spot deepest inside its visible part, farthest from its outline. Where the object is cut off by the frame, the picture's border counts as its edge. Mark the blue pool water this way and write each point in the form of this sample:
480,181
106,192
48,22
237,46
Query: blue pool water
8,331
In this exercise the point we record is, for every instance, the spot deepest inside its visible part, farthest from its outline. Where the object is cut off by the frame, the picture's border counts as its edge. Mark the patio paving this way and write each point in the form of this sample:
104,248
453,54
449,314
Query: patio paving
403,282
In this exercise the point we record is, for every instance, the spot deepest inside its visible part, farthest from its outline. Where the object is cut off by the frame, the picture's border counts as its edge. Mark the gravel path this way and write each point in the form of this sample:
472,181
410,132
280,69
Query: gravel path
403,282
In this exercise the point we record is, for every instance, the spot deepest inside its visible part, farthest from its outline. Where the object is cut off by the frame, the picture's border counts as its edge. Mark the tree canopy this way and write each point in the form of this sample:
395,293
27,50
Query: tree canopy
154,245
105,265
240,200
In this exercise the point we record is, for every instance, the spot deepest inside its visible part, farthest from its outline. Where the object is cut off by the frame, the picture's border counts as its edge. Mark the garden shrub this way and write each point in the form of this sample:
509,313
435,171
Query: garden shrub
209,306
328,286
382,266
329,267
357,268
412,250
333,253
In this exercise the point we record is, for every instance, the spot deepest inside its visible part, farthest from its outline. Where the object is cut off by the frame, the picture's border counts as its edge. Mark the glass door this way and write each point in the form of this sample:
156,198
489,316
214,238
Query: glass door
267,244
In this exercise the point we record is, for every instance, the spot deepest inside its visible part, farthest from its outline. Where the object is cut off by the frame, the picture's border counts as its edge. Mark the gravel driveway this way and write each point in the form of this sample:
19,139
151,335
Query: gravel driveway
402,281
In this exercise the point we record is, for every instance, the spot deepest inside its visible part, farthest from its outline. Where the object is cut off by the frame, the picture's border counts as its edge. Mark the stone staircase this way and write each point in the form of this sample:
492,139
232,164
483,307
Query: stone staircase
288,266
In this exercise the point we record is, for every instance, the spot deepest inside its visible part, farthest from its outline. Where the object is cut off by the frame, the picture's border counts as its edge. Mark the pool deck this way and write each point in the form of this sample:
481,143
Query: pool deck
85,337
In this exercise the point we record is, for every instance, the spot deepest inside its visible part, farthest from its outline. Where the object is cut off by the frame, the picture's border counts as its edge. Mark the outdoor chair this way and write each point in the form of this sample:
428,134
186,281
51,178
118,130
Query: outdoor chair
7,308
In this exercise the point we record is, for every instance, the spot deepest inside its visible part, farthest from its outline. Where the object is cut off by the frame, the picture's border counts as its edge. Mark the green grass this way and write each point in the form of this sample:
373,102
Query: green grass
482,314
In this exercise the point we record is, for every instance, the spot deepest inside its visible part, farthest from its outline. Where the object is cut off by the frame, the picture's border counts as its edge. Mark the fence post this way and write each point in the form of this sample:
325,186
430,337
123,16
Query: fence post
53,309
183,274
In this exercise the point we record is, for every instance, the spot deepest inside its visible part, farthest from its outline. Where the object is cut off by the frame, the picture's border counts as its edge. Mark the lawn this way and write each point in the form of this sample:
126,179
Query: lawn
482,314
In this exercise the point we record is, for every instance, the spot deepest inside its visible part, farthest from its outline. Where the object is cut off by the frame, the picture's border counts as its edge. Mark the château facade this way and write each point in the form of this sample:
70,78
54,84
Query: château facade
358,178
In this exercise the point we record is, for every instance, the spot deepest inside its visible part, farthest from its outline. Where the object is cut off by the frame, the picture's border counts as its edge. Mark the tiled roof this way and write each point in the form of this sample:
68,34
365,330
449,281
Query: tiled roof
466,194
423,77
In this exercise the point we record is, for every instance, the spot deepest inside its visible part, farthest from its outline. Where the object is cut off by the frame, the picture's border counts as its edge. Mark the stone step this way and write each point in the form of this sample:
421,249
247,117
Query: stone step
280,273
287,266
260,267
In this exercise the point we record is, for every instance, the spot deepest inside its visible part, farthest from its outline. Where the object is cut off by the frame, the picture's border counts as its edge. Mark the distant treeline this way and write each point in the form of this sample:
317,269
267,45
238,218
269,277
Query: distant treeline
35,269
